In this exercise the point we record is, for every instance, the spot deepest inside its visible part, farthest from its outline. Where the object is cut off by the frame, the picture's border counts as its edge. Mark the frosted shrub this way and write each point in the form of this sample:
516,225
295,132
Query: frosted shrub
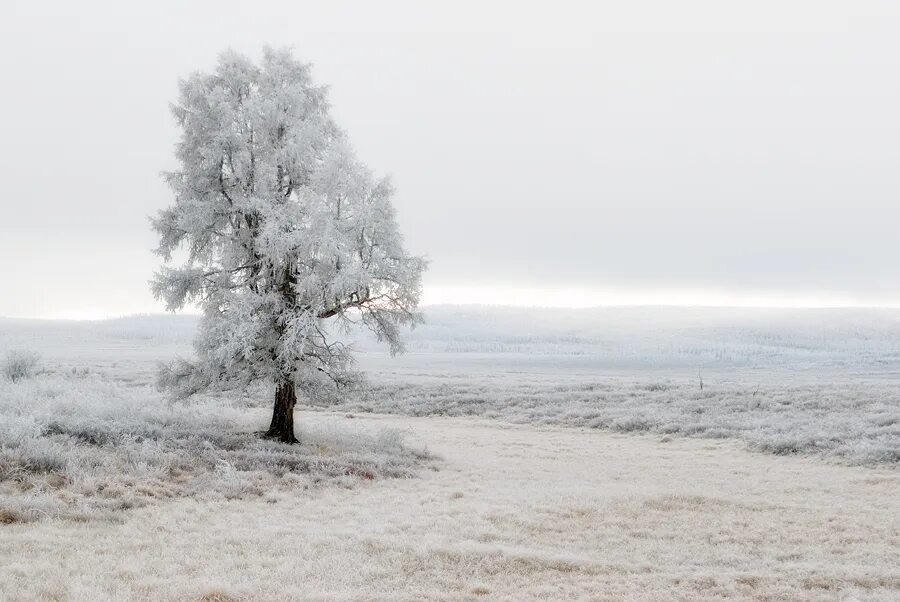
19,365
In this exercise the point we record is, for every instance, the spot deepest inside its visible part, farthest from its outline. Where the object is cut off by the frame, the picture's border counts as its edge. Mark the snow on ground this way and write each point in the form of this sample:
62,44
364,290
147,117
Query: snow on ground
570,457
855,421
84,447
514,512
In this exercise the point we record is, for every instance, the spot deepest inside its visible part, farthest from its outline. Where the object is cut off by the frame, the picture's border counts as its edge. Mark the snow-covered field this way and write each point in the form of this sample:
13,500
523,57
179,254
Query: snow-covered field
82,447
512,454
849,421
514,512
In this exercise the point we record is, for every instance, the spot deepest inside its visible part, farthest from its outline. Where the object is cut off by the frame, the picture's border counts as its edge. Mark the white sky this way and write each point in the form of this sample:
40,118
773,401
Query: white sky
549,153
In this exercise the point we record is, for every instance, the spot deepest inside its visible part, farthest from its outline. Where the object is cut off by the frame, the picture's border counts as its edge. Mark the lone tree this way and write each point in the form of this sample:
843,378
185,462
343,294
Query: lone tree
288,236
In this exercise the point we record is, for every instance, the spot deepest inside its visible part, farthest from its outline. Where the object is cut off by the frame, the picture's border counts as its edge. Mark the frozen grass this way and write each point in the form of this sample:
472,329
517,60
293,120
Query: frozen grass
855,422
18,365
516,513
79,446
824,383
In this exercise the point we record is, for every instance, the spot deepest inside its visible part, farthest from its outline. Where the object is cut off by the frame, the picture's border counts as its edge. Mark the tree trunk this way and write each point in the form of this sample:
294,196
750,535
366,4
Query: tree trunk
282,426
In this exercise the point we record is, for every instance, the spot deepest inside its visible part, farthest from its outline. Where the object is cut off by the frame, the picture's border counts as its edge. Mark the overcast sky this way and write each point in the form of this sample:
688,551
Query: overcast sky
545,153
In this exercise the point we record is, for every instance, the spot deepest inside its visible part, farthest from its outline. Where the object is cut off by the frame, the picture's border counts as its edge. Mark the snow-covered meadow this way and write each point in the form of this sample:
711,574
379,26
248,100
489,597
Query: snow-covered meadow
513,513
847,421
80,446
821,382
88,433
510,454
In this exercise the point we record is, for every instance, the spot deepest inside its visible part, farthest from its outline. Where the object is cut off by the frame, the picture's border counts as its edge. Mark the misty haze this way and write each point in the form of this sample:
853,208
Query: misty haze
472,301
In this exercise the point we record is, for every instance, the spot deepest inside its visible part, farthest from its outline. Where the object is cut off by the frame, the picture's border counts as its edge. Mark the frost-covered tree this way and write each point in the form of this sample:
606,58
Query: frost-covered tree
289,237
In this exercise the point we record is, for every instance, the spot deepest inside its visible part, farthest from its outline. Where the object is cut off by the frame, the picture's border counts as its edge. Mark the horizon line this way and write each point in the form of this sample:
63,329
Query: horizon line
86,317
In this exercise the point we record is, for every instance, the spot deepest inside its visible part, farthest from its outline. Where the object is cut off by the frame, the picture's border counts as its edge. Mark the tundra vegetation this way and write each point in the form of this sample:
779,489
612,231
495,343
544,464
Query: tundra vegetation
569,460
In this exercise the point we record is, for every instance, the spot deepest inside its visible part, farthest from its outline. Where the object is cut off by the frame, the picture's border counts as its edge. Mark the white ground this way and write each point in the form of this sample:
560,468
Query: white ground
619,480
513,512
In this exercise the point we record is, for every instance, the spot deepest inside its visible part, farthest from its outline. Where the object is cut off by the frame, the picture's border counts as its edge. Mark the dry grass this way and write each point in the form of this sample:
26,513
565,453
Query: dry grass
851,421
652,496
515,513
89,448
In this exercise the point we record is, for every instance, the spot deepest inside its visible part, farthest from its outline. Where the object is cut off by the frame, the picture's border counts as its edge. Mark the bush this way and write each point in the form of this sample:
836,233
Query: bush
19,365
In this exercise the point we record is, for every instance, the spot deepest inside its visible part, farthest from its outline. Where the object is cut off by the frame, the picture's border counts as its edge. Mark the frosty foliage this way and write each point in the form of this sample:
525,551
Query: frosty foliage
853,422
516,514
290,239
822,383
18,365
85,446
